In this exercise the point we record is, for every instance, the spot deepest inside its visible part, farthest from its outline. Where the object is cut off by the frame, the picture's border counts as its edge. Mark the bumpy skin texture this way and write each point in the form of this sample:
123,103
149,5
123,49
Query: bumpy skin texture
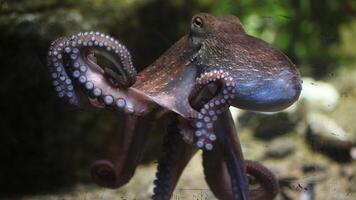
216,65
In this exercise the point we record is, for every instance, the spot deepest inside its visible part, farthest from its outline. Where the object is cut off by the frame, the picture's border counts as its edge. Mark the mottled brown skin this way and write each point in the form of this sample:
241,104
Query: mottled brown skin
216,65
253,64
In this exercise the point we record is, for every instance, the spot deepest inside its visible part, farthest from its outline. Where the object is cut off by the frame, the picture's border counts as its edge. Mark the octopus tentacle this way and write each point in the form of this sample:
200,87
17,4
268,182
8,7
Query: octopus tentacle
90,75
217,168
268,186
115,174
217,176
216,173
233,157
71,59
72,64
171,165
209,113
107,46
61,81
224,166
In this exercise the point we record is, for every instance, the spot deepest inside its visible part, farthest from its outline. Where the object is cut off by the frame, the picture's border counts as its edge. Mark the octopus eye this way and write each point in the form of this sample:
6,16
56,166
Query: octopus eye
198,22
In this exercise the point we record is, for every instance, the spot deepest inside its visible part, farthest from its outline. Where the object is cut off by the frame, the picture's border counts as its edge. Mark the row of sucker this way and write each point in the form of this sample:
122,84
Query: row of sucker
208,114
117,53
162,187
82,70
60,80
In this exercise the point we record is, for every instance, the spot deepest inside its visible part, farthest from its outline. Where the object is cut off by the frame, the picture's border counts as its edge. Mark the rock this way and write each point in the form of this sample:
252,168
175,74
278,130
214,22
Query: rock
308,193
349,172
280,148
326,136
270,126
319,95
353,153
308,167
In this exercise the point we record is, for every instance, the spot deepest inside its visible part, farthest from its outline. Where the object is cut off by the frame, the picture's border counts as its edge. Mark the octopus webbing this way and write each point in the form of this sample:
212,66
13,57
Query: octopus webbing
215,66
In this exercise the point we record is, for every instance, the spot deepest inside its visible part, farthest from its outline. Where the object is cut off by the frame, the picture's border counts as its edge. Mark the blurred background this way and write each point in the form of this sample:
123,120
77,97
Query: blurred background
47,146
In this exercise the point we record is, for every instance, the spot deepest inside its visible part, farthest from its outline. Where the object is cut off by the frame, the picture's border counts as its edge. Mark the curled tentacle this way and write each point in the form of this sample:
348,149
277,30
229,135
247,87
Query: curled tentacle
267,183
108,47
104,173
209,113
115,174
71,60
61,81
90,75
74,67
263,185
171,165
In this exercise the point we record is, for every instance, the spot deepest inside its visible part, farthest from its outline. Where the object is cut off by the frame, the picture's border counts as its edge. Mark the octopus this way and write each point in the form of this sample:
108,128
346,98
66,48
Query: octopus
215,66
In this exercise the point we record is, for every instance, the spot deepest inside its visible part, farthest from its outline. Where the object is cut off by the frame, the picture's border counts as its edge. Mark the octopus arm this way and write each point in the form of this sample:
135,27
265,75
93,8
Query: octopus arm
114,174
218,168
228,152
75,71
170,167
